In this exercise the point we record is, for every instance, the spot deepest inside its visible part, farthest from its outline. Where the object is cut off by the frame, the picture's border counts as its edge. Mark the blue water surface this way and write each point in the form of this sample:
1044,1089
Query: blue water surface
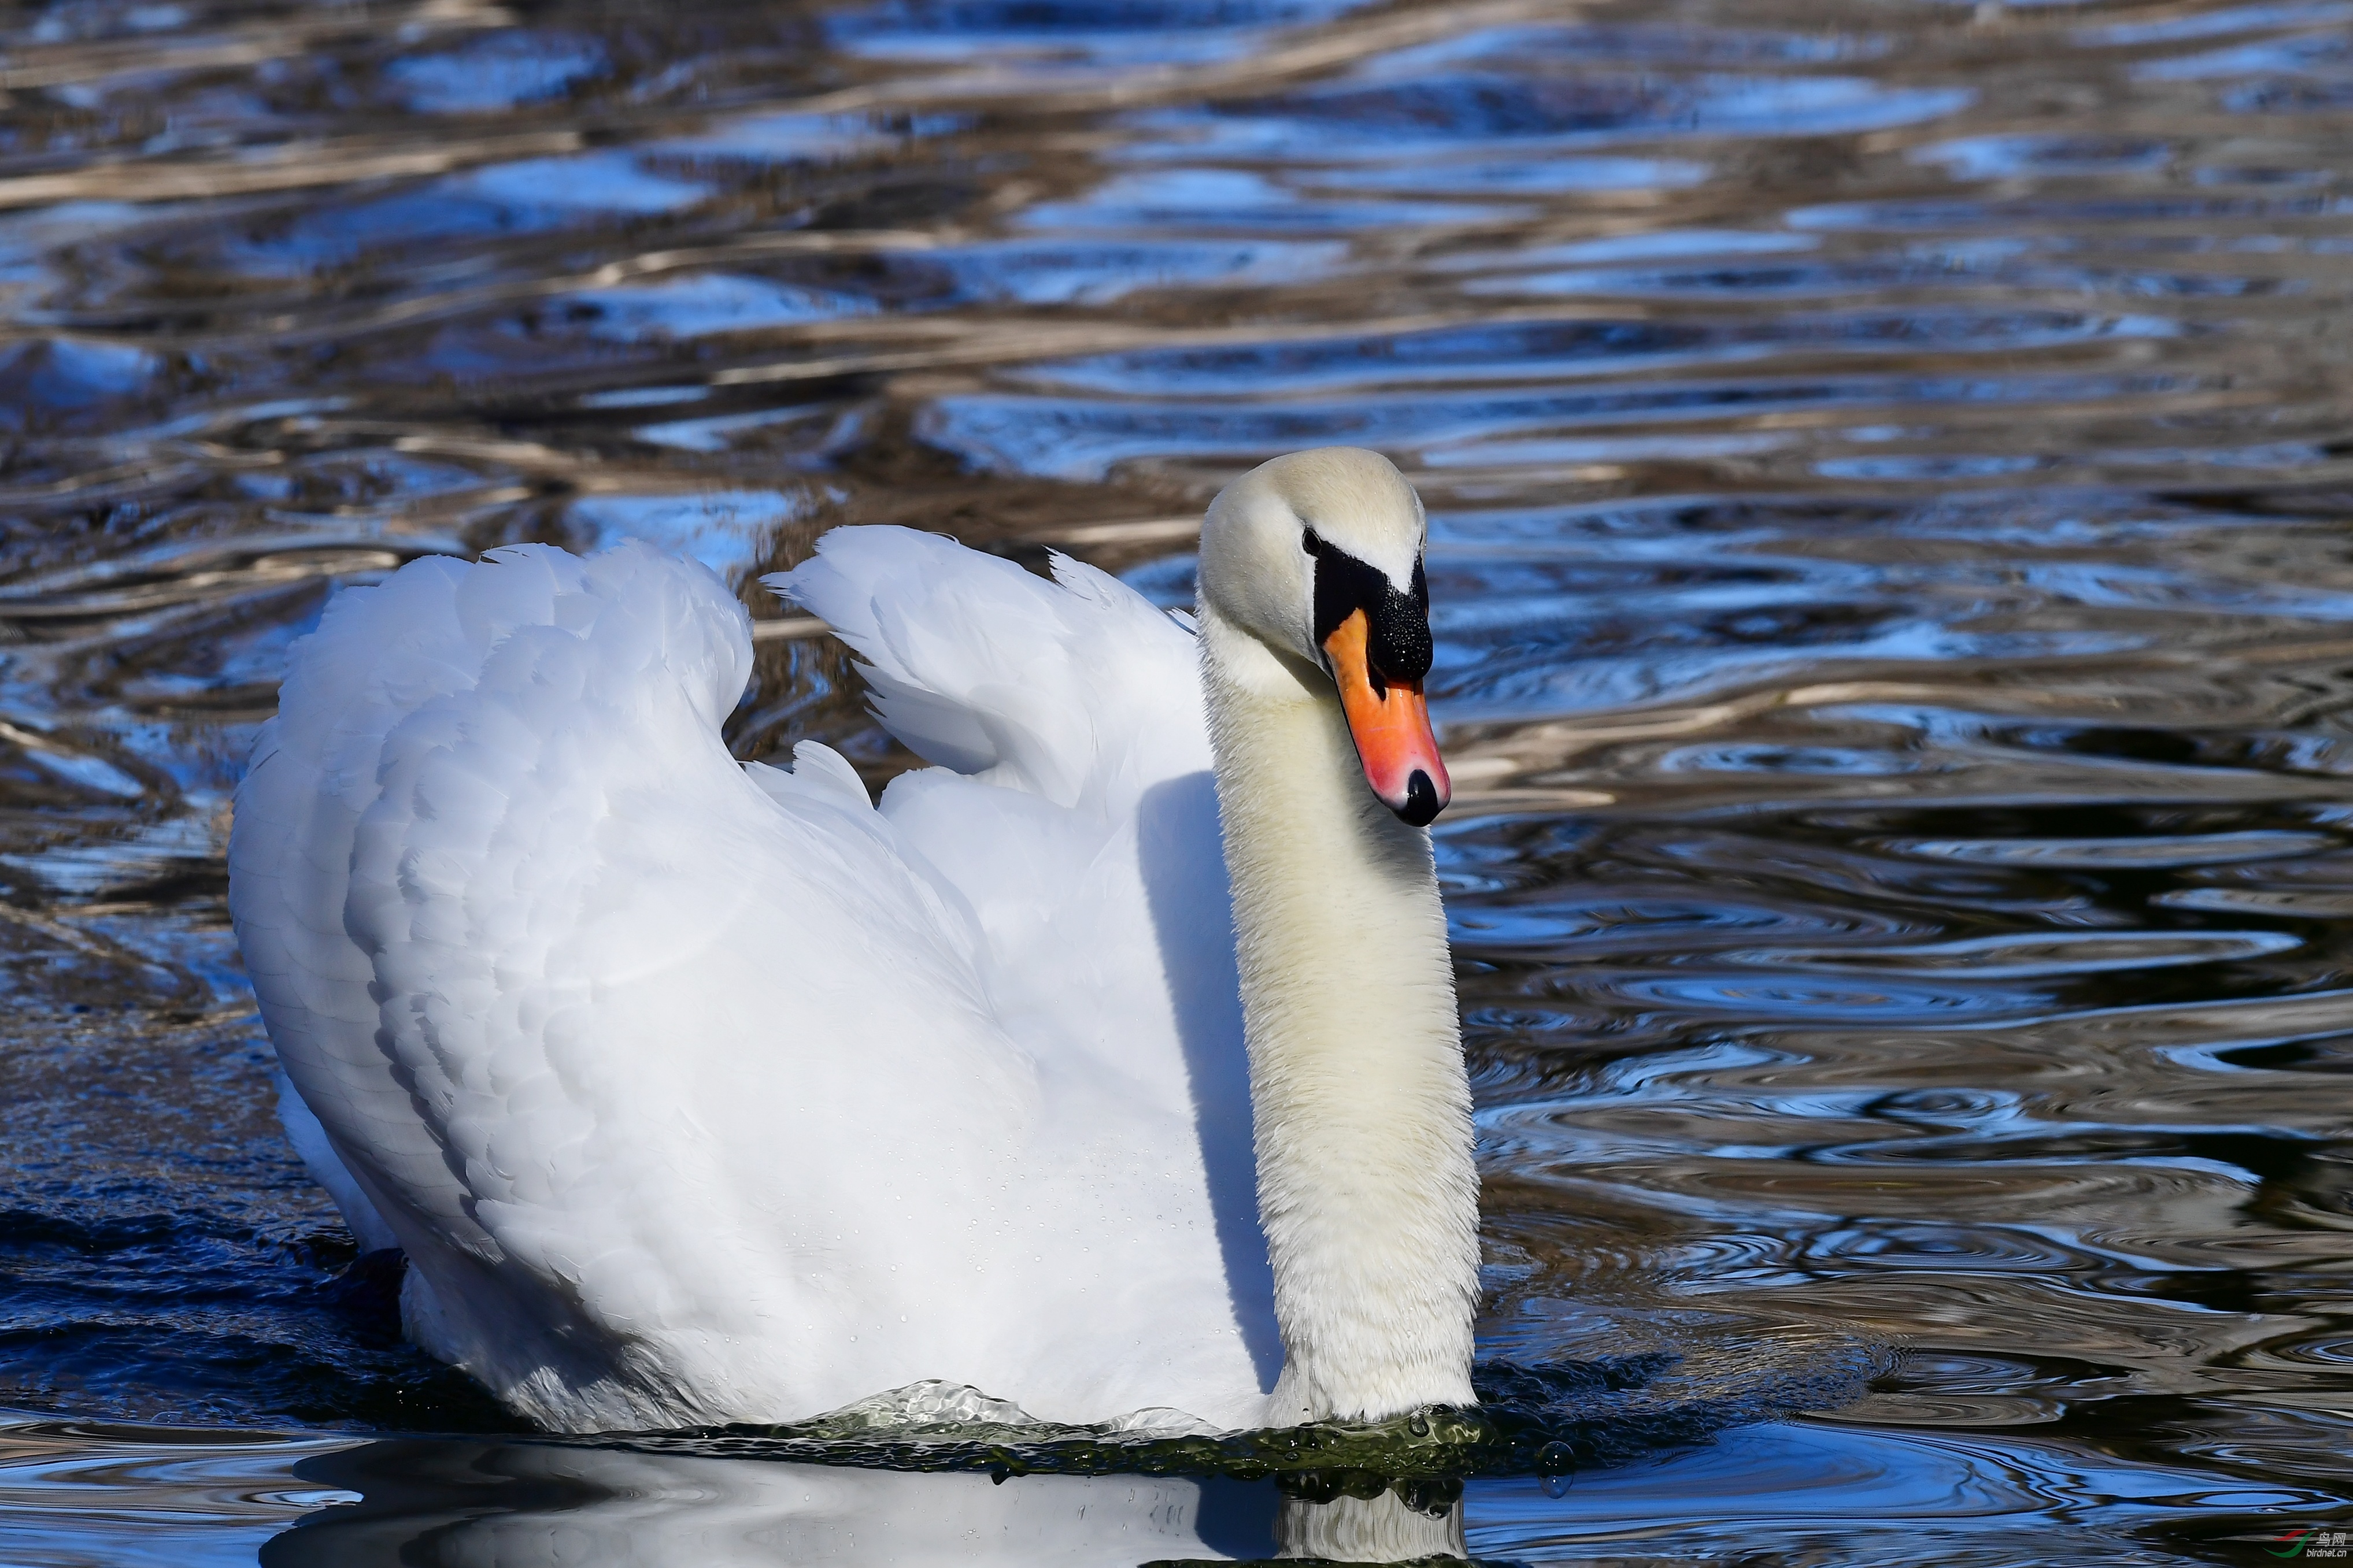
1889,474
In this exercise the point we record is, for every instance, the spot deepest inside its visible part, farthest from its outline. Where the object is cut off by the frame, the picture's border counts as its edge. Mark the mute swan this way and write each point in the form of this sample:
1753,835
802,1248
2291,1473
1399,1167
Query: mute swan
697,1092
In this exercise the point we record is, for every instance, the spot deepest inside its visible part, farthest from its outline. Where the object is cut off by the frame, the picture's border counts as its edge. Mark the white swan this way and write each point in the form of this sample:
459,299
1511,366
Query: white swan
697,1092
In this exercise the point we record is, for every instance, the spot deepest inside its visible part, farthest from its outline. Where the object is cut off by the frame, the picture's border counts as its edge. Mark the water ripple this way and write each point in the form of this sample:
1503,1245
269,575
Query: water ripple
1887,475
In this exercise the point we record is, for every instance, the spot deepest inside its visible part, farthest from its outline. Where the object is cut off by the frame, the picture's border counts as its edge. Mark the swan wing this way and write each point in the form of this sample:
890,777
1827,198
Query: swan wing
689,1089
1074,815
588,1014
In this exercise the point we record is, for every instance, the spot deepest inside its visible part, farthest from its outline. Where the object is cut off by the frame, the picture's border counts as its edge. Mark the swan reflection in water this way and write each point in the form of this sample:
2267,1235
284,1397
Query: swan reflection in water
521,1505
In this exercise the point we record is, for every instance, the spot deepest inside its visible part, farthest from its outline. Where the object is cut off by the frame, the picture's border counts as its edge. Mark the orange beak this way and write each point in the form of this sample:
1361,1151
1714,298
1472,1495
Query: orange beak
1390,722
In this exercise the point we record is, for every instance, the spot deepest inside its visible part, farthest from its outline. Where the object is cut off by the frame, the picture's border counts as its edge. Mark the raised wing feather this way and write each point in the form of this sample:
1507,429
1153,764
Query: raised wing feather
1075,812
1076,690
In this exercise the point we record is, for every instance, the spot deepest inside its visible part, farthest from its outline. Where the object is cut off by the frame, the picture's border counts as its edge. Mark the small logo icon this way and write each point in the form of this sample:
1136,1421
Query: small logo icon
2321,1541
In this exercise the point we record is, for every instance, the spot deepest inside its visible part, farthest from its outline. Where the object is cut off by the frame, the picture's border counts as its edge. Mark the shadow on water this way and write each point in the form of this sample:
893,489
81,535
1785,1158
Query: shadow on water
1888,475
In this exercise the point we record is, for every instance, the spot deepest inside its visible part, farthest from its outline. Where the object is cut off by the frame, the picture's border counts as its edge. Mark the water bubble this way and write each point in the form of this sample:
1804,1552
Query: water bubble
1556,1468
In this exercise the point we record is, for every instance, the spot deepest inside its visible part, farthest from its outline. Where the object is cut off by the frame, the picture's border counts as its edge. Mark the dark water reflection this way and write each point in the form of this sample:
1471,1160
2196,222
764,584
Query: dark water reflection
1889,466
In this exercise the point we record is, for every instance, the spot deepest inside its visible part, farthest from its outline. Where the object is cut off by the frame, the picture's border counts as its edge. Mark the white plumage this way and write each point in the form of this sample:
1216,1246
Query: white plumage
697,1092
701,1093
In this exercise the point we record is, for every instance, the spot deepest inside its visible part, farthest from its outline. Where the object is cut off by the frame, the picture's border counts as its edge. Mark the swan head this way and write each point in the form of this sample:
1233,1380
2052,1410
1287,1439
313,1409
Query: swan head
1318,556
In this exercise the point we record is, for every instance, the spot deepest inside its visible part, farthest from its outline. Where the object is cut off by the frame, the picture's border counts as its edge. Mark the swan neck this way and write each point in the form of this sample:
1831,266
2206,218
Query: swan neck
1361,1107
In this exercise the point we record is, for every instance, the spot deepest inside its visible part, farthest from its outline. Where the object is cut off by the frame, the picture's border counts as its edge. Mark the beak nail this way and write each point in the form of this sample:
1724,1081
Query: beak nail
1420,806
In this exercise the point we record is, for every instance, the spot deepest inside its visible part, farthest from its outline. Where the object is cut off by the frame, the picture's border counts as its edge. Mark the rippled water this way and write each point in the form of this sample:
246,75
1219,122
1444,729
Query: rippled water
1888,463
